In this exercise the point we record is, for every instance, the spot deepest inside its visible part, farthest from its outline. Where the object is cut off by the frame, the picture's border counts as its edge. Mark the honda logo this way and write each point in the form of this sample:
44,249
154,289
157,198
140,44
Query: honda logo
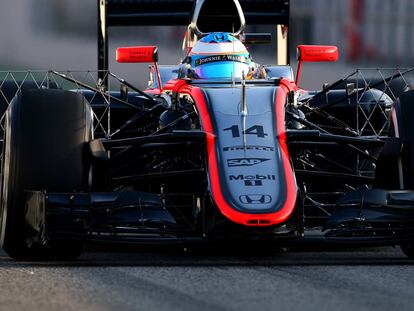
255,199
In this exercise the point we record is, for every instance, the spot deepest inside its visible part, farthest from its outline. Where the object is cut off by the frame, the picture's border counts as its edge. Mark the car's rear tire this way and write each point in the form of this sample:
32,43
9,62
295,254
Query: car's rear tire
393,88
45,148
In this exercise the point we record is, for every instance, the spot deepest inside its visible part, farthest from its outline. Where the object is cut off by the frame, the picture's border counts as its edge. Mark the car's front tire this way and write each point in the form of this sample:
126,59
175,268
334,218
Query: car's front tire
45,148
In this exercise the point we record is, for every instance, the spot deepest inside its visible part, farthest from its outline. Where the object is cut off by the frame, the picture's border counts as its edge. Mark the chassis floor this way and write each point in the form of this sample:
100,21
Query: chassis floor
165,279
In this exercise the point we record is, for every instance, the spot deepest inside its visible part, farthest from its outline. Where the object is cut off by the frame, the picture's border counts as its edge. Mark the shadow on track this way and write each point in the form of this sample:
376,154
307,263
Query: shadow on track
153,256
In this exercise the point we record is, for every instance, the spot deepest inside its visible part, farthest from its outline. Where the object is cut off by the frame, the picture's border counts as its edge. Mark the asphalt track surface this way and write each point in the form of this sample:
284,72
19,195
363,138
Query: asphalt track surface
165,279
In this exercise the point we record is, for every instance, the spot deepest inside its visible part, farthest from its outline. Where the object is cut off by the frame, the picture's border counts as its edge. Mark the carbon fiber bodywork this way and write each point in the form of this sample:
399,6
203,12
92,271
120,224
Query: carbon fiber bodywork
249,155
242,159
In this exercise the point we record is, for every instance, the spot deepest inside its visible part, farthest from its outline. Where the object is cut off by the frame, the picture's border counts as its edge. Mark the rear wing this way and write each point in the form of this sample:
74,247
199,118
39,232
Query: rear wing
112,13
179,12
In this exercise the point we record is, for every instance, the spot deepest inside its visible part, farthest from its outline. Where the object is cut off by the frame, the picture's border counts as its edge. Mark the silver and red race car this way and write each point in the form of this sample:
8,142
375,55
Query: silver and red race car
218,148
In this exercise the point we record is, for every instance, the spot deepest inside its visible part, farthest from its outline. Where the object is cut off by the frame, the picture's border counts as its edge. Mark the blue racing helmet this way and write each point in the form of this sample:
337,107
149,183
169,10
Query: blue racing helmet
219,55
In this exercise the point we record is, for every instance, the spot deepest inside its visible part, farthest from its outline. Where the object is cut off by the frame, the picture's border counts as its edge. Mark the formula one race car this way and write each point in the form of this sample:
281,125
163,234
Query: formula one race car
218,148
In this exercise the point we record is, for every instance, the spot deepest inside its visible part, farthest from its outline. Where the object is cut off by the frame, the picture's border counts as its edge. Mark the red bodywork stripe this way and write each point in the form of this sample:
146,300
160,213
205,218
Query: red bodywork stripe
239,217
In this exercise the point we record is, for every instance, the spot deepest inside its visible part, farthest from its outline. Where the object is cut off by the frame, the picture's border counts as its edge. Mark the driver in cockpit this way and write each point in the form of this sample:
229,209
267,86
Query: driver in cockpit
220,55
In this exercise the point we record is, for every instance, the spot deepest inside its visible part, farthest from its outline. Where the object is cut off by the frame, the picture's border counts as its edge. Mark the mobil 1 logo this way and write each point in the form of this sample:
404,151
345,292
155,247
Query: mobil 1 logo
252,180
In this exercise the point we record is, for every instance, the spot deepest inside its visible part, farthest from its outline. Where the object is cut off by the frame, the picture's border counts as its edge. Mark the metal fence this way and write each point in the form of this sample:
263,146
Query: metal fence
86,82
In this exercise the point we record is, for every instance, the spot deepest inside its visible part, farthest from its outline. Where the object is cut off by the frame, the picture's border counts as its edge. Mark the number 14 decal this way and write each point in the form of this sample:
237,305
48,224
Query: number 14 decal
253,130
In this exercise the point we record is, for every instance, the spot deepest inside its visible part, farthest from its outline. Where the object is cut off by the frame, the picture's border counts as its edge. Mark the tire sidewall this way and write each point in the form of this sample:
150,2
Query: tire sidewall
20,157
10,212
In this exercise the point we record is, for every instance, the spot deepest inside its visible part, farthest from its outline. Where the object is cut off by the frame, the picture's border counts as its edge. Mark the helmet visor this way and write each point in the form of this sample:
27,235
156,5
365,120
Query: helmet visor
222,70
221,66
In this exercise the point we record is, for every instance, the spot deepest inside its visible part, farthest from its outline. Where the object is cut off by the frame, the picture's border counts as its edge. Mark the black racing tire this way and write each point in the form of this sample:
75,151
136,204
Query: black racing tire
387,174
404,110
45,148
10,88
402,126
394,89
408,249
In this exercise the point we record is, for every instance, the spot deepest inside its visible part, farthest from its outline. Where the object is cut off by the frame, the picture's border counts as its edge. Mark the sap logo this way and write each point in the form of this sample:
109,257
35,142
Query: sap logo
255,199
244,148
245,161
252,180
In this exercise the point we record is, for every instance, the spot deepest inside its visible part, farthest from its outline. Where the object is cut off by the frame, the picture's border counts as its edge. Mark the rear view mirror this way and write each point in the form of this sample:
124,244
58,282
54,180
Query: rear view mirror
137,54
140,54
317,53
